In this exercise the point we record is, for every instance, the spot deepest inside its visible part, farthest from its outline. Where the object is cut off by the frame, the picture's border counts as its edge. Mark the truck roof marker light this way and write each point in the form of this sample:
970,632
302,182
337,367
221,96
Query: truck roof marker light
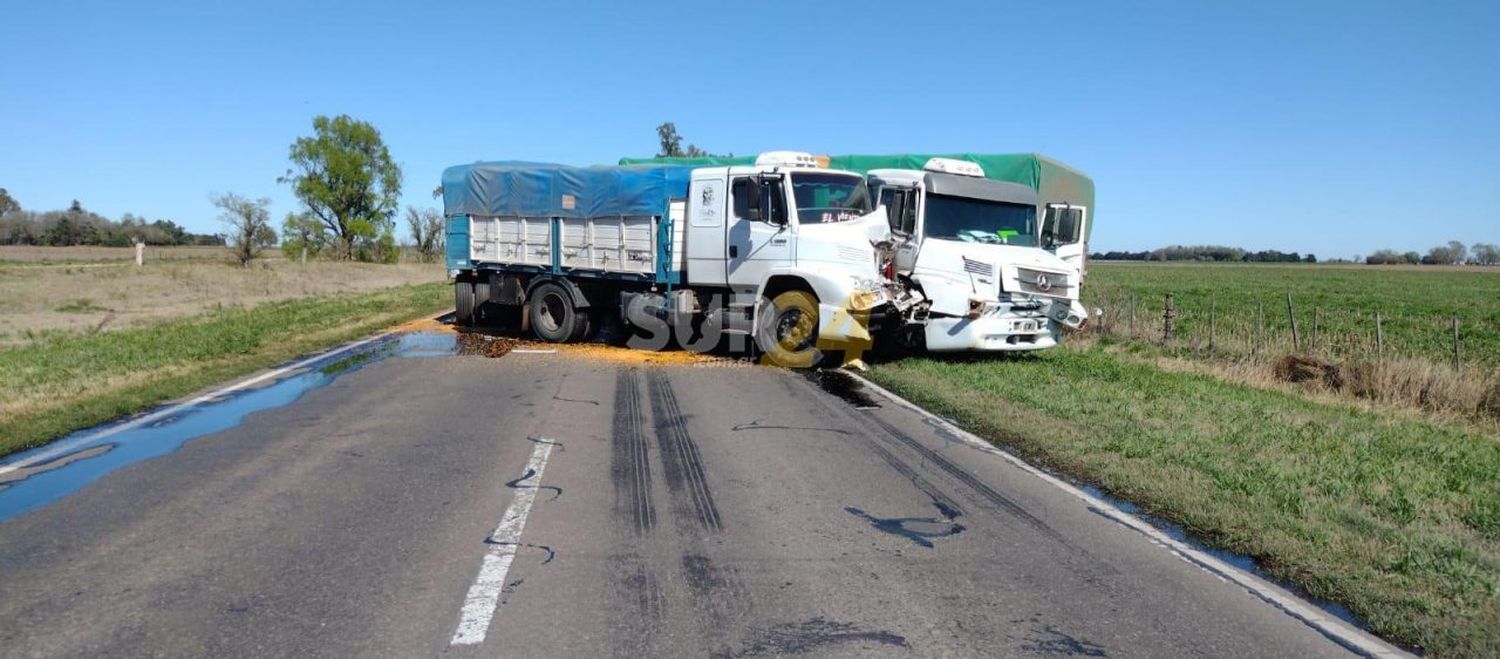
788,159
953,166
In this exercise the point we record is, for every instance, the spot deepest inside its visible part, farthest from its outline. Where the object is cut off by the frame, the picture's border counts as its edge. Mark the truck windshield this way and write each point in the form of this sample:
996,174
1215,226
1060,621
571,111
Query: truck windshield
980,221
823,197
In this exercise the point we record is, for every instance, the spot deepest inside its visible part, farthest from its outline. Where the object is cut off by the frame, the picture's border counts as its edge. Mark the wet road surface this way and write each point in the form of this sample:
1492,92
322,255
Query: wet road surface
404,499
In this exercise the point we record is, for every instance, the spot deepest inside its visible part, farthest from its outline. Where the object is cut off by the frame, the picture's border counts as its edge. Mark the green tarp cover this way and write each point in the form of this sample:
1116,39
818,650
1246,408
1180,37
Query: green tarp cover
1053,181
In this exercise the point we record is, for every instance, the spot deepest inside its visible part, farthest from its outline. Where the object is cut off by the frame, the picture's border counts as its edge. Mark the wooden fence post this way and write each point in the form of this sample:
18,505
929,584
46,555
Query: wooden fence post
1379,340
1291,317
1132,316
1211,301
1168,315
1260,326
1313,343
1457,363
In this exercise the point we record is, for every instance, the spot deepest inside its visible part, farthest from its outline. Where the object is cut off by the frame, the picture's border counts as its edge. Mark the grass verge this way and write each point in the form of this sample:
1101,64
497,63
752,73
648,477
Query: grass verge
1396,518
59,384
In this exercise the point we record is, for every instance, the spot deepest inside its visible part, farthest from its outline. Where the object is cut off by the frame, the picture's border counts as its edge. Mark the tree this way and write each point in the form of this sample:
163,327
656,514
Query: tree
249,224
426,227
671,143
7,202
345,177
1452,253
302,234
1486,254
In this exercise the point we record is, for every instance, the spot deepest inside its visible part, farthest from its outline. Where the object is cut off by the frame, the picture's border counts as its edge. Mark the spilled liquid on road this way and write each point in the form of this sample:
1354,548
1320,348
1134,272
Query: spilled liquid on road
35,478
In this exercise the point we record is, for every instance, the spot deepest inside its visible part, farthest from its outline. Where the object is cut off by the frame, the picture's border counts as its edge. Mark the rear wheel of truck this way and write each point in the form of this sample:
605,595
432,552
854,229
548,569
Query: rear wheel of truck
553,316
787,331
463,303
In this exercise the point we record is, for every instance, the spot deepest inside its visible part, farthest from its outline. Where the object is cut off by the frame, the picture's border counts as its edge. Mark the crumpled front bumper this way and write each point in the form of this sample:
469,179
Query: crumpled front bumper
988,334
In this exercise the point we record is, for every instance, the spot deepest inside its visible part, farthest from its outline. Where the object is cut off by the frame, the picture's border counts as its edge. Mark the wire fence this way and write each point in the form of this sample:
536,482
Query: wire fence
1443,364
1281,327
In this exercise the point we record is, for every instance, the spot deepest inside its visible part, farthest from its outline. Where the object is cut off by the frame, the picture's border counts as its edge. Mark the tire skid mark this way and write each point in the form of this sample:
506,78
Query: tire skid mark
643,605
682,462
720,596
943,501
630,461
962,475
896,437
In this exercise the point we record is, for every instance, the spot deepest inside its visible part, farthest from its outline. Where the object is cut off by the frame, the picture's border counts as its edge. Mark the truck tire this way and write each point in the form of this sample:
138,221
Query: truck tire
463,303
553,317
583,327
787,333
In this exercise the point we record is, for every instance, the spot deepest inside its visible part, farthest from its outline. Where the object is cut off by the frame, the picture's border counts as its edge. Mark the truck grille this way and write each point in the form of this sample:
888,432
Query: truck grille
1037,282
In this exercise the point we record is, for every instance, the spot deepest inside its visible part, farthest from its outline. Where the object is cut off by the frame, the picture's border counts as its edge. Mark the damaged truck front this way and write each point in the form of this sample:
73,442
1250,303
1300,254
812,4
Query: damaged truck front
982,271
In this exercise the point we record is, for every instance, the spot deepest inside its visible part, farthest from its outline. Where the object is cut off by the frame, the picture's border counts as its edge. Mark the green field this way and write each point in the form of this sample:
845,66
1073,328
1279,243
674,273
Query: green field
1416,305
1396,517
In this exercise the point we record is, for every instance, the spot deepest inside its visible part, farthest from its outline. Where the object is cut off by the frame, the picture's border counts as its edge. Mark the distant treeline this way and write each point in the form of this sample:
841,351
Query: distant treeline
1207,253
1452,253
77,226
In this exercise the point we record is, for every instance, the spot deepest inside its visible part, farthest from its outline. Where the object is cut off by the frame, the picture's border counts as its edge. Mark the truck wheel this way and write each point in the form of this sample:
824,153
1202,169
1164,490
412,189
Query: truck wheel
463,303
584,326
553,316
788,329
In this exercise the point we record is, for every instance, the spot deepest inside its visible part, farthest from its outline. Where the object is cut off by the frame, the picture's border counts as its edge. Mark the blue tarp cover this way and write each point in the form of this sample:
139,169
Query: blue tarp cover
532,189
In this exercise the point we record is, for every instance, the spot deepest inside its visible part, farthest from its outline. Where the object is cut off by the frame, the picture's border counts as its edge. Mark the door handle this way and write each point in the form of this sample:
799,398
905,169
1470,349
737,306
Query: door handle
734,251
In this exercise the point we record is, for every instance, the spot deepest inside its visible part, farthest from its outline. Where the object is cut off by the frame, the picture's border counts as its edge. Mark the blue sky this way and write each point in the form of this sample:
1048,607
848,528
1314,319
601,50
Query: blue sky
1331,127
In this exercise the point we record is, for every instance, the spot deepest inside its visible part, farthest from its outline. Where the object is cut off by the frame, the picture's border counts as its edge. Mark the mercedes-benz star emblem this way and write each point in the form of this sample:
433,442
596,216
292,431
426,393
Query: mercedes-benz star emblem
1042,283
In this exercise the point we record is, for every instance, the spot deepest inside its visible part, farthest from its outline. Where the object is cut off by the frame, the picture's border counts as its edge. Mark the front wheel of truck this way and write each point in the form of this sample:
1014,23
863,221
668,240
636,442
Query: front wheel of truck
553,317
787,330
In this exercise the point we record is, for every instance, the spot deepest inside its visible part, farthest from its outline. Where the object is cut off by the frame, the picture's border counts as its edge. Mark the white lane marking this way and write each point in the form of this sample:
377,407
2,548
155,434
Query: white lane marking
533,351
60,449
484,596
1342,632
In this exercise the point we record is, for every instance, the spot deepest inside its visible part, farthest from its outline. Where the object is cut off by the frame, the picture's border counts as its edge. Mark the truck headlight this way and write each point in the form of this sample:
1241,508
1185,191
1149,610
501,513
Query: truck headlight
866,293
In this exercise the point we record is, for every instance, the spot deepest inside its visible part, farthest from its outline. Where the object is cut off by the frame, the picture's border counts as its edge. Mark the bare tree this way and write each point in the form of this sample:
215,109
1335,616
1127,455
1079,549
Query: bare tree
1486,254
249,224
426,227
1452,253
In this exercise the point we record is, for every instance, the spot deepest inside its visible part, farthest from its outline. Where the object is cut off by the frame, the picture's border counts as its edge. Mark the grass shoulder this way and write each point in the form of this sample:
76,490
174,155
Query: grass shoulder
67,381
1397,518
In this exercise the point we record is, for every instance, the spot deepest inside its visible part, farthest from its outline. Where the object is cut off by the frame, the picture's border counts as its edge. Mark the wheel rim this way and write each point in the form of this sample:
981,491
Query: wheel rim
552,309
791,330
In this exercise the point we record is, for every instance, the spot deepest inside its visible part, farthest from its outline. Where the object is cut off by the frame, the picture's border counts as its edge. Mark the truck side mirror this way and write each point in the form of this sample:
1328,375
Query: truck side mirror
1059,226
1067,226
772,206
895,206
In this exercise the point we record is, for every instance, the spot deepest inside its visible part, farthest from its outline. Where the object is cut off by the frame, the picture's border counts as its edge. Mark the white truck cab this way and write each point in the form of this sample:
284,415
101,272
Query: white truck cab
988,274
788,224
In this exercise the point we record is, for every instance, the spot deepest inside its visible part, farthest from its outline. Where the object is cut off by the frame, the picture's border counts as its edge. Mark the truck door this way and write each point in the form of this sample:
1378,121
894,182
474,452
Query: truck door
758,237
705,236
1064,228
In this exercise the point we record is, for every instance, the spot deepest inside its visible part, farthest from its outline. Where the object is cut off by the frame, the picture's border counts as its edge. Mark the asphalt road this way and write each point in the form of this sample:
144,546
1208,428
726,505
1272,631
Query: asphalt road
573,504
